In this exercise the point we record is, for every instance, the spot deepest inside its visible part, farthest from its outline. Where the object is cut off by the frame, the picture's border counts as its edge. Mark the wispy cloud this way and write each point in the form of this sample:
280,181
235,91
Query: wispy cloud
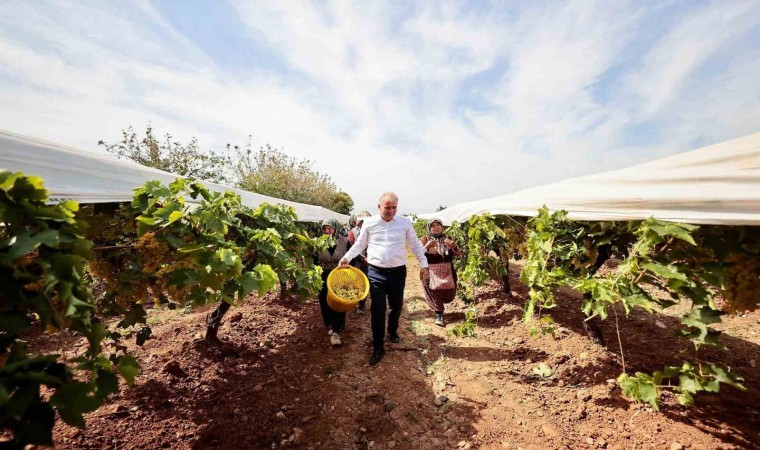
441,102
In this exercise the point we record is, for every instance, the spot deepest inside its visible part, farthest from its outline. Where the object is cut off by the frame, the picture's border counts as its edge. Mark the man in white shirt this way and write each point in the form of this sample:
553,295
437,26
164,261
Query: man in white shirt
385,237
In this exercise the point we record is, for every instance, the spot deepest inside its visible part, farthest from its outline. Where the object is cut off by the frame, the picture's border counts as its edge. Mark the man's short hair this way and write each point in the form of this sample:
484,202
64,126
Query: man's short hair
389,195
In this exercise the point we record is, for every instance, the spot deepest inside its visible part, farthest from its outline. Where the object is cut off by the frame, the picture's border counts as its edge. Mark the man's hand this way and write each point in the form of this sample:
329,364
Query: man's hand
425,274
343,264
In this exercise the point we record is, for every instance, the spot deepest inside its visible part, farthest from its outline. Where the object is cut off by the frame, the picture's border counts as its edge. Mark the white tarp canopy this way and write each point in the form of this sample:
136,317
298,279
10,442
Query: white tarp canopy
719,184
88,177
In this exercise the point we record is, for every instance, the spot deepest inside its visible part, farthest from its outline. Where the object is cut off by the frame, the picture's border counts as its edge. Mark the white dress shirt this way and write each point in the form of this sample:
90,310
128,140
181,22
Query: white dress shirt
386,242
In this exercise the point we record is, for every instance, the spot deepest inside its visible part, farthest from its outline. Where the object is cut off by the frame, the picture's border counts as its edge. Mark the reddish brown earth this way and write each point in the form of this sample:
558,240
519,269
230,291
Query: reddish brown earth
280,385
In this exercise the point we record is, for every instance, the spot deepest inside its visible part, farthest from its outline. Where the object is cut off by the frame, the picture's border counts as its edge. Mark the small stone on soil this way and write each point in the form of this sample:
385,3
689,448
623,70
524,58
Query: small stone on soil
583,395
440,400
676,446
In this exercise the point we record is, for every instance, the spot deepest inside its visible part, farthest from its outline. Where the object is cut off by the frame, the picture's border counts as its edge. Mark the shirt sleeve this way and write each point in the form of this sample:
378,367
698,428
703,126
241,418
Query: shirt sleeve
414,243
358,246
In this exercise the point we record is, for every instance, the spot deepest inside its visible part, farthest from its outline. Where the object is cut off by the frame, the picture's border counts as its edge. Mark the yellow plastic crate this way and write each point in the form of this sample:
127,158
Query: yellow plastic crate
346,278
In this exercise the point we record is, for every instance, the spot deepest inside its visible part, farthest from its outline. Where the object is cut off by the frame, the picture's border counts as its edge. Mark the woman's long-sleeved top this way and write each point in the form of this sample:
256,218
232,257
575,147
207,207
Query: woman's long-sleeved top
330,258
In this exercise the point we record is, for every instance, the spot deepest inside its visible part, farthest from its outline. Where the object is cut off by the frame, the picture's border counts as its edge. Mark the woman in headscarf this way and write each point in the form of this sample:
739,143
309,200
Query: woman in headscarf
329,259
440,251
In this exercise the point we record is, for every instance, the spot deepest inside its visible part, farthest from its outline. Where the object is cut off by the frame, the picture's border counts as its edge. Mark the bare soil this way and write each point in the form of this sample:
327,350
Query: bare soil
279,384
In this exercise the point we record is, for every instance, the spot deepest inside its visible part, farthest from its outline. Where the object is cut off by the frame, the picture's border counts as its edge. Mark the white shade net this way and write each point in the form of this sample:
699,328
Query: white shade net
719,184
89,177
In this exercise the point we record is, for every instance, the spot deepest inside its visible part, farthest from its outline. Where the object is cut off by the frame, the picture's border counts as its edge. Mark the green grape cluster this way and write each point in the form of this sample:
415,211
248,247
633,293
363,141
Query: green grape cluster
348,292
742,283
517,240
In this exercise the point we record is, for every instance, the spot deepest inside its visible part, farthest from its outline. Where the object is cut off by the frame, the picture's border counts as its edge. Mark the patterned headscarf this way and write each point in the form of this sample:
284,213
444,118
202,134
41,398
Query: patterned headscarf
332,223
430,224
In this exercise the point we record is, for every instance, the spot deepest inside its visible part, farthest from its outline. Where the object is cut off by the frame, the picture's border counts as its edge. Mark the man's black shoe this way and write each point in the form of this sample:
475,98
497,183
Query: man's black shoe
395,339
377,355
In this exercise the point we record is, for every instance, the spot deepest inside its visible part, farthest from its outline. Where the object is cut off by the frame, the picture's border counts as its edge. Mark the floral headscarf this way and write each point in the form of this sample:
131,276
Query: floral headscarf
332,223
430,224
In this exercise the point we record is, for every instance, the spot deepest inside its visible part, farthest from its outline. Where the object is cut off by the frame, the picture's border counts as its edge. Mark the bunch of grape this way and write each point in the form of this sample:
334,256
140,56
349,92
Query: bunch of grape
28,264
174,293
517,241
587,258
147,255
348,292
104,270
151,252
742,283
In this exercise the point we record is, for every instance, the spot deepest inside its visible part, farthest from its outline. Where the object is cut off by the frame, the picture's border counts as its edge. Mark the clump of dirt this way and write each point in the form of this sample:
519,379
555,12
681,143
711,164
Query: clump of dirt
279,384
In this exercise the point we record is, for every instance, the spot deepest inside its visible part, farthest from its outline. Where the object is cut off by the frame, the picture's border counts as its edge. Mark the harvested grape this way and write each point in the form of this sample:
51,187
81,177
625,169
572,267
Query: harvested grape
348,292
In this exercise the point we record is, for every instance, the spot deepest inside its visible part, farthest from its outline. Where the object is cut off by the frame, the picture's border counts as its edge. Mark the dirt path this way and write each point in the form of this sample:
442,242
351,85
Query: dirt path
282,386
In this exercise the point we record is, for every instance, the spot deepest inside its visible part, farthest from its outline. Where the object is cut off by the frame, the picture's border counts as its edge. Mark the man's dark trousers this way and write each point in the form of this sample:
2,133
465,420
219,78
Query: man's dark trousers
385,286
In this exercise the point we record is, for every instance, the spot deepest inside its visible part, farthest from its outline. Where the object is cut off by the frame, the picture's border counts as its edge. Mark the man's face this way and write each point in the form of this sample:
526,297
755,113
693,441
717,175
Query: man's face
388,207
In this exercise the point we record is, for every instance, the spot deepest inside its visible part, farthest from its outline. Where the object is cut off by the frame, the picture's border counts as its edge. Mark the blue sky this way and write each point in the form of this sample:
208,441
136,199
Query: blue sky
441,102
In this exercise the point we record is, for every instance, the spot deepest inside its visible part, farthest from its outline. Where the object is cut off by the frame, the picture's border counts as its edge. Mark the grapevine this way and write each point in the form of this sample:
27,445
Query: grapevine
653,253
707,266
156,250
42,270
